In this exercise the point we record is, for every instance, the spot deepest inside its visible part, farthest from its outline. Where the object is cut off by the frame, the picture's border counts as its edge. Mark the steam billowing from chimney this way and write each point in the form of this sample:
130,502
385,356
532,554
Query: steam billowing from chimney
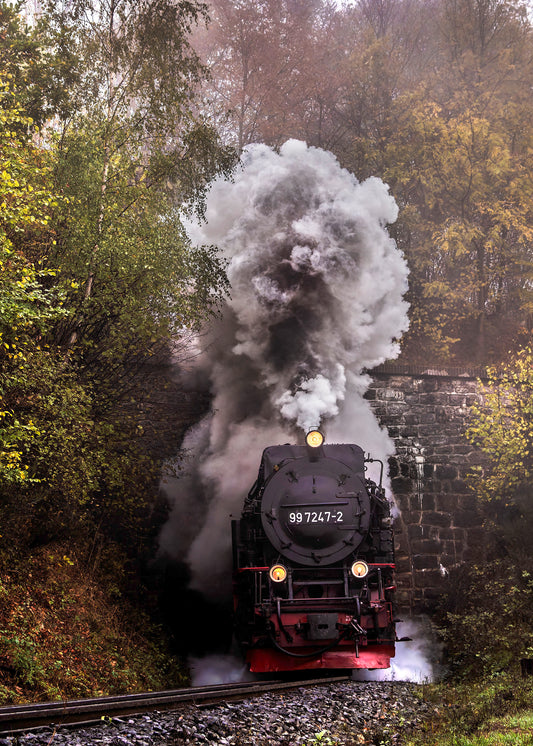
317,290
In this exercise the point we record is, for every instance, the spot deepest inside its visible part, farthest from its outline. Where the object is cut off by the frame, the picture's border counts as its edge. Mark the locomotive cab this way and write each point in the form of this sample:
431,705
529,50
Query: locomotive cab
313,562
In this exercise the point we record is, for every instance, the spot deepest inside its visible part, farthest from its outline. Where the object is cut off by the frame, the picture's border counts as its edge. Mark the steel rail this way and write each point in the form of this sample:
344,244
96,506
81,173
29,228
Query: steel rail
18,718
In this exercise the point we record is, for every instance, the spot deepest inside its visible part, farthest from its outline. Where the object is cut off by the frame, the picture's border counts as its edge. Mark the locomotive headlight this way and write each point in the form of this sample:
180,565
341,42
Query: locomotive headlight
314,438
278,573
359,569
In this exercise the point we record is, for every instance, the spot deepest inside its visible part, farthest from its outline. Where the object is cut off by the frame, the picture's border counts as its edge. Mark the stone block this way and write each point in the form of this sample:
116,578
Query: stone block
395,411
426,430
461,487
426,502
453,534
446,502
412,517
401,486
453,548
438,399
461,388
403,501
391,394
426,546
462,449
403,566
446,472
441,415
415,532
426,578
449,560
425,562
403,599
434,518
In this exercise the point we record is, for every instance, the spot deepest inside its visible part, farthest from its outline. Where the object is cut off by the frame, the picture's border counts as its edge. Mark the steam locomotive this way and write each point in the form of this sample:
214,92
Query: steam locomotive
313,560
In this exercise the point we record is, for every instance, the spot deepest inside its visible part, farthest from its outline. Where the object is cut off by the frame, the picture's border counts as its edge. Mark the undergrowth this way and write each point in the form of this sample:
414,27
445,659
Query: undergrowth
489,712
63,635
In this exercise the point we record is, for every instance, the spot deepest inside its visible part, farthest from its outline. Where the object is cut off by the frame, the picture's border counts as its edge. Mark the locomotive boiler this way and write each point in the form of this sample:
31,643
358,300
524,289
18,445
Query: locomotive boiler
313,560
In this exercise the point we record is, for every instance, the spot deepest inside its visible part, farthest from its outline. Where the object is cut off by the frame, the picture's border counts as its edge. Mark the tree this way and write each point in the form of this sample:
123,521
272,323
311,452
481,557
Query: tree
41,75
26,308
271,68
458,164
502,428
111,272
478,598
390,45
132,135
434,98
133,149
48,459
467,229
129,158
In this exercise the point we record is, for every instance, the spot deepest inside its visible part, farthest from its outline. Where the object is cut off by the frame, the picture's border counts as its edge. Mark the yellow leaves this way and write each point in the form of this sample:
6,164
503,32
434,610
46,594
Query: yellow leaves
26,197
503,428
469,217
456,237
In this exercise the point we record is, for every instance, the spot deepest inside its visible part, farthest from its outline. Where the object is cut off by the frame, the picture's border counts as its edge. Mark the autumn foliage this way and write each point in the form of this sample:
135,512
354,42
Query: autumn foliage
114,117
434,97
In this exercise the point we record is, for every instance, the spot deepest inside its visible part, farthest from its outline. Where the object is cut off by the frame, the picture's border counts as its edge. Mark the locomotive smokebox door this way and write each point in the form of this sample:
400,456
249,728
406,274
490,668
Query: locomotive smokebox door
322,627
315,512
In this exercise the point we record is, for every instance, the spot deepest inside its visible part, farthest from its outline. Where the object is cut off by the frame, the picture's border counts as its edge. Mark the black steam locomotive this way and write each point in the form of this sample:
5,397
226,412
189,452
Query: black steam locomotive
313,560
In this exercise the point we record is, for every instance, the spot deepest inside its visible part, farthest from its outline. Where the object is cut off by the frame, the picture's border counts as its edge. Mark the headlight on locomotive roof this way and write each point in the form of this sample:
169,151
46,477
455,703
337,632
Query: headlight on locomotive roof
314,438
278,573
359,569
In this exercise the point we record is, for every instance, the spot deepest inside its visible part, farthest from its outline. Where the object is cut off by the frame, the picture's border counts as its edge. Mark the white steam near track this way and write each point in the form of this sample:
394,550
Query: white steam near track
317,289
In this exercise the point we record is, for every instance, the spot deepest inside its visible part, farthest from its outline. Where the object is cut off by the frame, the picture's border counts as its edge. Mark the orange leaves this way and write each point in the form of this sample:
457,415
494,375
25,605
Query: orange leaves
61,635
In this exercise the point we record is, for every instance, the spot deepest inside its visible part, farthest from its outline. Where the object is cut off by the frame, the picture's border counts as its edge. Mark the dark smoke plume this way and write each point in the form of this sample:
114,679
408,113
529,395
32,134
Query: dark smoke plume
317,290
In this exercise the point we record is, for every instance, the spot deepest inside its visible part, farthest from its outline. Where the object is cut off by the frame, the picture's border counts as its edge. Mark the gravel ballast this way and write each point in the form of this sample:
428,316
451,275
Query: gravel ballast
350,713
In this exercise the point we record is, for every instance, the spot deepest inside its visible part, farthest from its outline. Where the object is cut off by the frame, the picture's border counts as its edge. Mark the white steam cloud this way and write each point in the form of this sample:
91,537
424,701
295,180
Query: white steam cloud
417,659
218,669
317,289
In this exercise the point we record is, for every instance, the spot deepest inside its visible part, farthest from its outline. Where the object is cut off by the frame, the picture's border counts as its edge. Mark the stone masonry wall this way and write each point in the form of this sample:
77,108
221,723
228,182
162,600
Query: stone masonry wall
439,526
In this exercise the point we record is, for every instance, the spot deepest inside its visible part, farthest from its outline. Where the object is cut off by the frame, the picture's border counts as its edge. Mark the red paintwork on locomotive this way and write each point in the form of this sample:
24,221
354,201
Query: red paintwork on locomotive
366,654
268,660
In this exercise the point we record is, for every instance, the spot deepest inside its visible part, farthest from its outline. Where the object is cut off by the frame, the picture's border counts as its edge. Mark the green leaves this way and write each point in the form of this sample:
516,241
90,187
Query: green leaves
503,428
98,279
487,617
27,307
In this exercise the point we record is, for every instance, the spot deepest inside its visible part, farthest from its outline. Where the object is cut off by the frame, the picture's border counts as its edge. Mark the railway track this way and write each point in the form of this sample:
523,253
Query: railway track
19,718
